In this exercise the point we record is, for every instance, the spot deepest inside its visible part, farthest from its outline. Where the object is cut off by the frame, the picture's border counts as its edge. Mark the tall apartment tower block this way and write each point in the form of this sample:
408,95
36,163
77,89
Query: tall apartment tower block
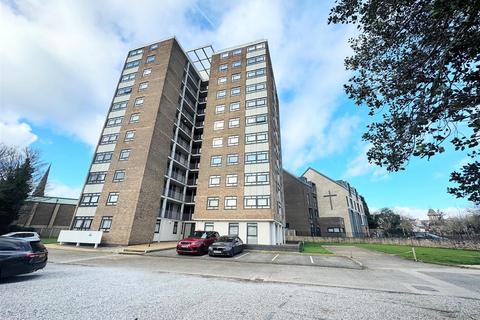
191,142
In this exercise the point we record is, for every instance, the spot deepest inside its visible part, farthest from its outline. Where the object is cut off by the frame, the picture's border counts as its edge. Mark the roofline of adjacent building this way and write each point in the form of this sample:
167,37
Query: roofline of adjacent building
50,199
294,176
334,181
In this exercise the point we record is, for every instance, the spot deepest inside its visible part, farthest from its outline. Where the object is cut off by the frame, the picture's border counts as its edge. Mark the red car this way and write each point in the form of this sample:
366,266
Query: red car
198,242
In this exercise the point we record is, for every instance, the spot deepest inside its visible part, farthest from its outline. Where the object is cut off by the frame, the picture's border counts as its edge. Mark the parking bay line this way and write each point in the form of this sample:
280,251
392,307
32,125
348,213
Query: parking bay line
275,257
311,259
243,255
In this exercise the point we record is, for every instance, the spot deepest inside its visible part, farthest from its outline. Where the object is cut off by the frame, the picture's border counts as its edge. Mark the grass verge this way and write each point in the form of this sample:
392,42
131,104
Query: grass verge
49,240
314,247
424,254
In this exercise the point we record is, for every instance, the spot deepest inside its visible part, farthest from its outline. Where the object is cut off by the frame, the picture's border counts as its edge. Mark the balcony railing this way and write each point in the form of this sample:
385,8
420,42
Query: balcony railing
174,195
178,177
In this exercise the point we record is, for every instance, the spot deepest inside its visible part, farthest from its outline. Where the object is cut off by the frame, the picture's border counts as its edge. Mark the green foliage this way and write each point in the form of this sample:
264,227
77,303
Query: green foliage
16,175
392,224
416,66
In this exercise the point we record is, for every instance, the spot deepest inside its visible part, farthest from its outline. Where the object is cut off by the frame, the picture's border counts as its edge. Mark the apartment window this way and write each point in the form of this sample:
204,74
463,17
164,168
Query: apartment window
135,52
235,77
103,157
105,224
237,52
82,223
129,135
212,204
235,91
139,101
256,73
151,58
128,77
256,103
231,180
222,80
230,203
233,229
220,109
334,230
113,122
256,87
218,125
154,46
258,119
124,155
257,202
255,60
143,86
234,106
208,226
224,55
119,106
124,91
134,117
256,47
233,140
132,64
222,67
214,181
236,64
109,138
257,178
256,157
257,137
175,227
89,199
112,199
234,123
96,177
252,233
215,161
147,72
221,94
232,159
217,142
119,175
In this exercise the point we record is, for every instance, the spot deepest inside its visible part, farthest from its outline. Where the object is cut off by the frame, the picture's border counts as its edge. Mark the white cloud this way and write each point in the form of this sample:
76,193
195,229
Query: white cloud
360,166
62,71
58,189
14,132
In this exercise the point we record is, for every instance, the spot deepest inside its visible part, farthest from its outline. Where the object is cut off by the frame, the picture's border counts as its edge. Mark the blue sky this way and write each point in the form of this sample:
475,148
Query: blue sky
58,77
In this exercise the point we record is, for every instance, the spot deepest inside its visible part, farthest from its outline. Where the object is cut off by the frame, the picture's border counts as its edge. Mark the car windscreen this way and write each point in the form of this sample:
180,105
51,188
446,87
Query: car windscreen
199,234
225,239
23,235
37,246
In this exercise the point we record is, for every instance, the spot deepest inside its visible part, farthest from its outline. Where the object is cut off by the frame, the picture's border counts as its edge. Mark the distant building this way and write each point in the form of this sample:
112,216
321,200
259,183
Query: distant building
338,199
301,208
47,215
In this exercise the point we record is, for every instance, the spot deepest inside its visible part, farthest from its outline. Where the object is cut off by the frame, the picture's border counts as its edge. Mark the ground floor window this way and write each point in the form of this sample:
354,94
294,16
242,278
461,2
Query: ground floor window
233,229
252,236
82,223
208,226
334,230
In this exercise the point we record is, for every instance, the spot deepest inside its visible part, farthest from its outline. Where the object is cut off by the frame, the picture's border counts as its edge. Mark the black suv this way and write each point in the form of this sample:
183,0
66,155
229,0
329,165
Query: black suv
19,256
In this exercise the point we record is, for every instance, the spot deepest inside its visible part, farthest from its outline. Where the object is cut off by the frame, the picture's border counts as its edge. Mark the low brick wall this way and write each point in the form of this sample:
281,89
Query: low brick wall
452,244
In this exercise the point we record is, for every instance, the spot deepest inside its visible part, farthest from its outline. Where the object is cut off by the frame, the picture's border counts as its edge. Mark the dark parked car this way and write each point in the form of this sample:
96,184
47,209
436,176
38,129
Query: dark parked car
18,256
226,246
198,242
